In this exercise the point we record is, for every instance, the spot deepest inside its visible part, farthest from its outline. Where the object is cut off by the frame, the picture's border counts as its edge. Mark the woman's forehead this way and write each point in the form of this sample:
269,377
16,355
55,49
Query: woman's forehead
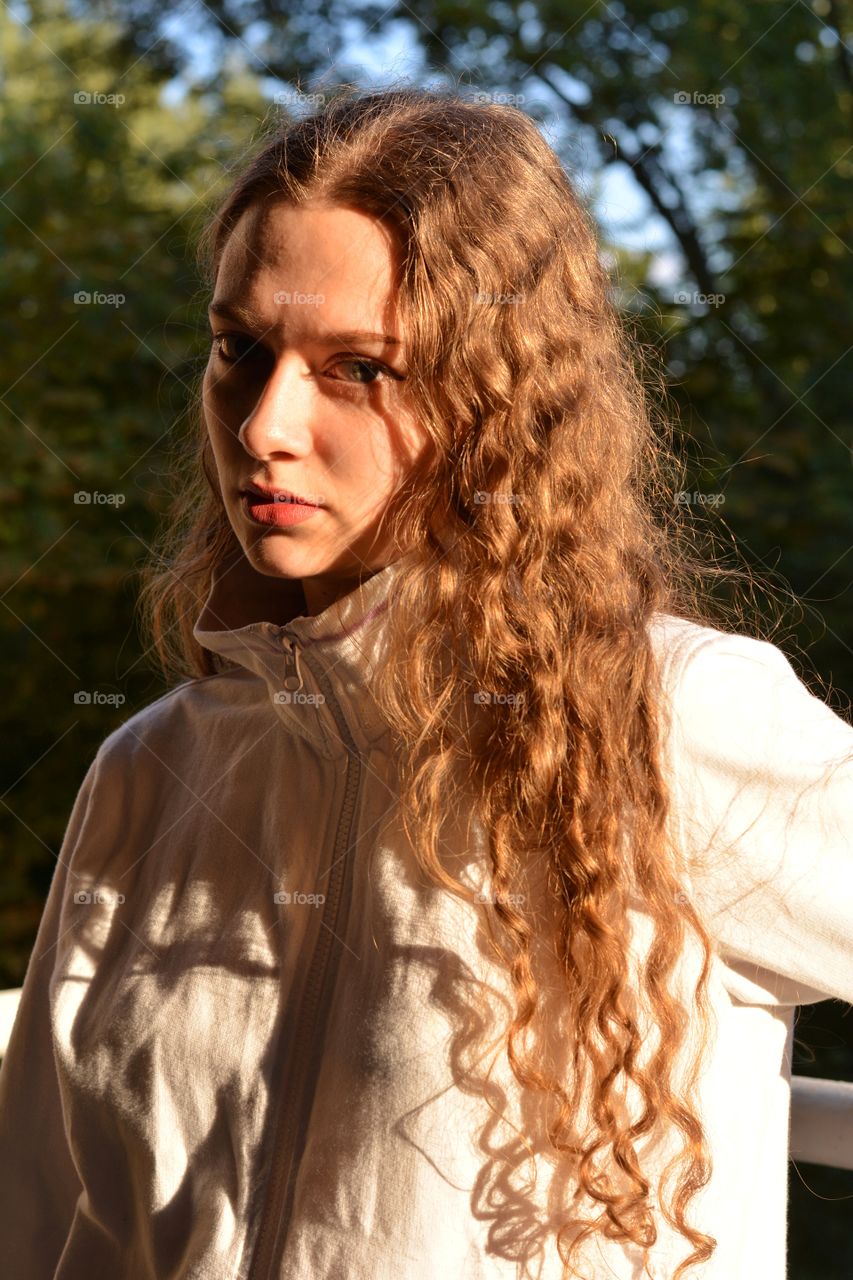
329,255
283,235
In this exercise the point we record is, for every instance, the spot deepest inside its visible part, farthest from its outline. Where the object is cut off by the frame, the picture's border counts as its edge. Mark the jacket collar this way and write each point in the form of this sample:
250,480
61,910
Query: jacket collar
259,623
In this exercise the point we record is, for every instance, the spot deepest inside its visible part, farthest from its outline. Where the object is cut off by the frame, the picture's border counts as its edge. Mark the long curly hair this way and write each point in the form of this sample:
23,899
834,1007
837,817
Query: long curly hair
547,534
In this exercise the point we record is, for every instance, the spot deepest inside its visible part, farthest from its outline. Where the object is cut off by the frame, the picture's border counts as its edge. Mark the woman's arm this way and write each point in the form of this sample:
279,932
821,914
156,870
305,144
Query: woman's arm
39,1186
764,799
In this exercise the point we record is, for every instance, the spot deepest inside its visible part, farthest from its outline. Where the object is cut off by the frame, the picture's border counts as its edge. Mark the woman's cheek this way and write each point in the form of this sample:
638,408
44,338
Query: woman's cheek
218,401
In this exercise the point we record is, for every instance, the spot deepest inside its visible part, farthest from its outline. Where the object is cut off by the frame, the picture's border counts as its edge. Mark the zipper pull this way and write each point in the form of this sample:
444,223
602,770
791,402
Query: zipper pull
293,676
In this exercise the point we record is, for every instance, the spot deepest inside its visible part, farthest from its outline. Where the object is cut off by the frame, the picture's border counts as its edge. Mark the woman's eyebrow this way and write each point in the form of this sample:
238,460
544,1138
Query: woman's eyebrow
242,315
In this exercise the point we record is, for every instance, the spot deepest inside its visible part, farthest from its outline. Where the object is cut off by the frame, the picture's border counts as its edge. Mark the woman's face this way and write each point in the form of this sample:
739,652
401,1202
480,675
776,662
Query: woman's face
302,394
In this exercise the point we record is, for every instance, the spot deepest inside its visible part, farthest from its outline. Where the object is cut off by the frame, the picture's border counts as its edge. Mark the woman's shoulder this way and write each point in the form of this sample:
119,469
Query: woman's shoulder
728,679
735,692
680,642
185,717
717,678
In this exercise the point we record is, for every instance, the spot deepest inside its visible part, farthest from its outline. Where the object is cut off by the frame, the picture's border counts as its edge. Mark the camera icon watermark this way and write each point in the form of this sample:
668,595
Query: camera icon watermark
96,99
285,898
483,698
94,497
286,298
686,498
98,897
499,99
297,696
94,698
85,298
483,497
685,298
696,99
497,299
293,97
506,899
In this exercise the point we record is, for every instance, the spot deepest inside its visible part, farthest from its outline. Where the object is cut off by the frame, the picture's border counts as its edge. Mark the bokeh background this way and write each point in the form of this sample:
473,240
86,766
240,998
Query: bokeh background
712,140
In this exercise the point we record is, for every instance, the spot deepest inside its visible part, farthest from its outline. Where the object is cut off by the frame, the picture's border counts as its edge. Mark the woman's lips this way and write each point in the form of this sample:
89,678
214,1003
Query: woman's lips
272,511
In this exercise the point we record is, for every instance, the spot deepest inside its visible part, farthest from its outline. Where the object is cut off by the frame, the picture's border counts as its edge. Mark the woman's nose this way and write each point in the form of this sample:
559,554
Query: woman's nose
281,420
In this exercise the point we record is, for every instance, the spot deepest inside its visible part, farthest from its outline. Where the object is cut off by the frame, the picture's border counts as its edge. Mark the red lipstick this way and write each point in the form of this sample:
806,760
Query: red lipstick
267,506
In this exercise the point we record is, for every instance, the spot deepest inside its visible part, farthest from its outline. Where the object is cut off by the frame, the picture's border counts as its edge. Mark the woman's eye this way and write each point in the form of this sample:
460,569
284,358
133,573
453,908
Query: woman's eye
232,347
369,370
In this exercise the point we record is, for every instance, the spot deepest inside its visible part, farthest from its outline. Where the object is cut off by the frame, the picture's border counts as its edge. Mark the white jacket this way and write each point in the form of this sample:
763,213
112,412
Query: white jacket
242,1041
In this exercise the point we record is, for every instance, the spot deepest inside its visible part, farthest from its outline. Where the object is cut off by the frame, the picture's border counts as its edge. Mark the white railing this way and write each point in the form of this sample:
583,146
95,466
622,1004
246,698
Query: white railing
8,1008
821,1110
822,1122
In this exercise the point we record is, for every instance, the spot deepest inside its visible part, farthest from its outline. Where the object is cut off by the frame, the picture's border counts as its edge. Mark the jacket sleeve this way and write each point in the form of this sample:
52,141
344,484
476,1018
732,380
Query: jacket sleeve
39,1186
764,798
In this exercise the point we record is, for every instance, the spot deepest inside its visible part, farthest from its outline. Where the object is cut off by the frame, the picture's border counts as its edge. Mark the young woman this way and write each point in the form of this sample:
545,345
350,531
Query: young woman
449,916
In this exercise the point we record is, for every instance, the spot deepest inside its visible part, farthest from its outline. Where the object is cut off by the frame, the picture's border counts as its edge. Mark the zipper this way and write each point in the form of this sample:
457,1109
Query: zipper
296,1089
293,676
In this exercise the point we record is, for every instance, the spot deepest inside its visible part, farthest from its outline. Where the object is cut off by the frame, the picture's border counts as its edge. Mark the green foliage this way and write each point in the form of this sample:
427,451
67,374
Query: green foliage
99,199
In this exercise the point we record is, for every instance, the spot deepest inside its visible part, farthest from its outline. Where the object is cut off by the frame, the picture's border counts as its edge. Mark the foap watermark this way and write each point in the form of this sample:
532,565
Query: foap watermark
297,696
94,497
98,897
94,698
697,99
505,899
294,97
483,497
285,298
499,99
300,499
686,498
97,99
696,299
84,298
483,698
284,898
497,299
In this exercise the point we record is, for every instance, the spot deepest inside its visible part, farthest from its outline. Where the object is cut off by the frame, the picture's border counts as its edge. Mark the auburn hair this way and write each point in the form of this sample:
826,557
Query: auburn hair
547,533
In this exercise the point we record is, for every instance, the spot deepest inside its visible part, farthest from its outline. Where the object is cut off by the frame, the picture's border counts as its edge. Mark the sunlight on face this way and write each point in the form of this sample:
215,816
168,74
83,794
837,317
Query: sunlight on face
293,400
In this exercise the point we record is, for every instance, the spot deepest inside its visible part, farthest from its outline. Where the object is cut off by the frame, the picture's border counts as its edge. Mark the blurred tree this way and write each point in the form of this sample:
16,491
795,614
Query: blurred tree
102,185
